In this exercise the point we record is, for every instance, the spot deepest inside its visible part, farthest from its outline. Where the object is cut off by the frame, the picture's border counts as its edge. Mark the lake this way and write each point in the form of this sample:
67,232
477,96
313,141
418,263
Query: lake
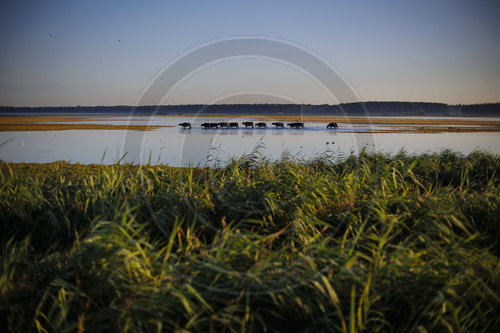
198,147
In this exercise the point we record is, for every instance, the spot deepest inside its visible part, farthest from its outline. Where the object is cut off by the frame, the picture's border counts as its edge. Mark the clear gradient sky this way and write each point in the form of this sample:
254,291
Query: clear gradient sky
57,53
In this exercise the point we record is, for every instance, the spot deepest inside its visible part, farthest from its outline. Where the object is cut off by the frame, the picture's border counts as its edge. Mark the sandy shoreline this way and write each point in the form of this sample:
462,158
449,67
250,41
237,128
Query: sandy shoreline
418,125
61,123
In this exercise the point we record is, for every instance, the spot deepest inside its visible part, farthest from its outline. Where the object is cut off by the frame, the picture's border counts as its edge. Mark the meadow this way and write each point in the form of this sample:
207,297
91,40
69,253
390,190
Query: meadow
402,243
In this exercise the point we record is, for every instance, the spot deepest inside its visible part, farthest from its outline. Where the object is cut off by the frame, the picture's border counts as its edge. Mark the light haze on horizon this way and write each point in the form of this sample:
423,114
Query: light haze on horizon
72,53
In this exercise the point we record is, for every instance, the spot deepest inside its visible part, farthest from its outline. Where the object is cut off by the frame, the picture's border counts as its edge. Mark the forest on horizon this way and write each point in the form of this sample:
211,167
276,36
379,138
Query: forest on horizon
343,109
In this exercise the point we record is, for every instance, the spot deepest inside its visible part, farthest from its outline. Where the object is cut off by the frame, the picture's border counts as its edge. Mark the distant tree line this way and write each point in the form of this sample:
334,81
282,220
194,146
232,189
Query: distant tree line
486,109
344,109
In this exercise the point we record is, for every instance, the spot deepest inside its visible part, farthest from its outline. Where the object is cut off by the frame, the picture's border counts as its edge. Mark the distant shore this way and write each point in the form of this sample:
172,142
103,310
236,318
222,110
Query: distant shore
74,122
60,123
370,108
356,119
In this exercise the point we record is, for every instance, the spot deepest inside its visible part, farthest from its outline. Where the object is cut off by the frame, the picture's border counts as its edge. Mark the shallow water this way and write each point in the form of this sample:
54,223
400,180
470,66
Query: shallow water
177,147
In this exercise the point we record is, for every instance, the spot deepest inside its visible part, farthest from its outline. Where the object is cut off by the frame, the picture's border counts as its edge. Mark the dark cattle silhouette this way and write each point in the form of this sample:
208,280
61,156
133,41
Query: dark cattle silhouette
261,125
248,124
223,125
209,125
233,125
279,125
332,125
185,125
296,125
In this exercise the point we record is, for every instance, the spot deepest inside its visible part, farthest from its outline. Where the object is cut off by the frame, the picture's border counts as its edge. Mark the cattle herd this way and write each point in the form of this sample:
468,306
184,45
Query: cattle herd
251,124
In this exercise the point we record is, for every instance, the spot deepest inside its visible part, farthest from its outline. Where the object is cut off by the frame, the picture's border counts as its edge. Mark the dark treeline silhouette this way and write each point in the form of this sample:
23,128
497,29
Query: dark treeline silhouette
345,109
486,109
393,108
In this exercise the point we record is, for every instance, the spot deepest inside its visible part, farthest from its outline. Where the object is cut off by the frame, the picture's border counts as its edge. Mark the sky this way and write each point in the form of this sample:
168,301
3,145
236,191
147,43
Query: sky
67,53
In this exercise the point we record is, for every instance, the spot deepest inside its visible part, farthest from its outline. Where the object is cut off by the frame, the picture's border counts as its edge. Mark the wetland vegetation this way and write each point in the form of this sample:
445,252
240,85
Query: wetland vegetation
369,243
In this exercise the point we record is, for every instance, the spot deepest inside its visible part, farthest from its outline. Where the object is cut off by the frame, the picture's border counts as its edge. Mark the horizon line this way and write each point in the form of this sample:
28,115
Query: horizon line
197,104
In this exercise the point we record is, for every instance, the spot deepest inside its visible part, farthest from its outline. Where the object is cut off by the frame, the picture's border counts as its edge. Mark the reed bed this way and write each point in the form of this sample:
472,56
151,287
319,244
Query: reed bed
370,243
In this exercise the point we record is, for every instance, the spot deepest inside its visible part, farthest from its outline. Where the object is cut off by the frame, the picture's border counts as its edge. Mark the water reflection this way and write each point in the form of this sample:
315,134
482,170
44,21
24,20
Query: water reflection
178,147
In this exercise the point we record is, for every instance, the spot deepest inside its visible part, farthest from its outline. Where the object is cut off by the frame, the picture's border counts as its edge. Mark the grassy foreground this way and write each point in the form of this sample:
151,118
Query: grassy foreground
372,243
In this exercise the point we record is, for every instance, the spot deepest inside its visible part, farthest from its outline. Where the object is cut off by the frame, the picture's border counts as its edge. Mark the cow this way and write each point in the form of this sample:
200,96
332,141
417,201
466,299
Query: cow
332,125
248,124
296,125
185,125
209,125
233,125
261,125
279,125
223,125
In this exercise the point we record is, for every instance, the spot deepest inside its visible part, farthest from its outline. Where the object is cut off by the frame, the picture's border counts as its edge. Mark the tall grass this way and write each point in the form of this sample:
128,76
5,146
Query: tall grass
371,243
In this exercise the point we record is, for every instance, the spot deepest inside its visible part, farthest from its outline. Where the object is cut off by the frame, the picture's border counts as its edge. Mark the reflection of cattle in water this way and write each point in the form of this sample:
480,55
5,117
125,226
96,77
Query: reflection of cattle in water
261,125
279,125
209,125
223,125
185,125
332,125
296,125
233,125
248,124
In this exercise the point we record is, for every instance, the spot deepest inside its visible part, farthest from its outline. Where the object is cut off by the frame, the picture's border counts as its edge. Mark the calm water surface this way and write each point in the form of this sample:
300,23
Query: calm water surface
177,147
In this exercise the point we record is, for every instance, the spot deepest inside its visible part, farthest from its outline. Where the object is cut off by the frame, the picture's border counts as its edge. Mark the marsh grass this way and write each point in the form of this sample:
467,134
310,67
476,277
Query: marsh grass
370,243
